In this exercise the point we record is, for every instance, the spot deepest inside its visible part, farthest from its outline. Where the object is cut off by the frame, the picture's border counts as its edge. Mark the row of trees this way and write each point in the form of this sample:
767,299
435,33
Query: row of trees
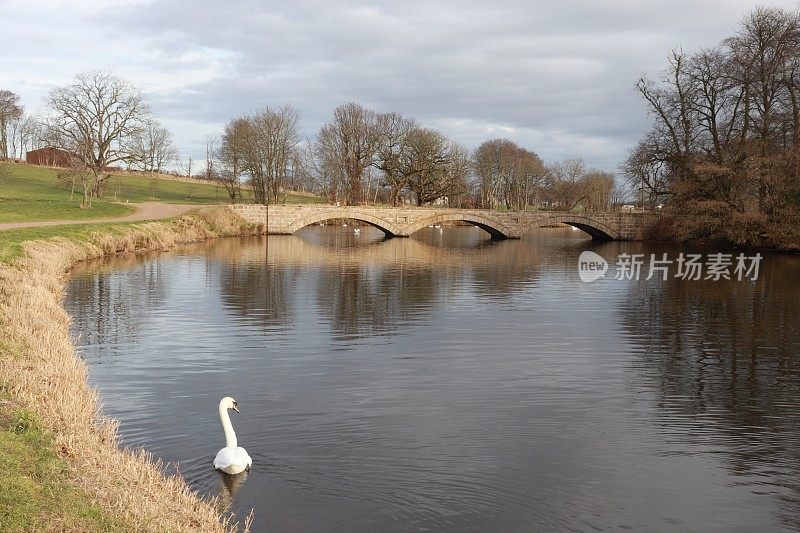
513,177
726,123
355,158
359,156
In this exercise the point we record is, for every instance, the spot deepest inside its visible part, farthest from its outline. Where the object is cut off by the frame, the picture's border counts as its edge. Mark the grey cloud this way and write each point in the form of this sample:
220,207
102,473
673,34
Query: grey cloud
557,77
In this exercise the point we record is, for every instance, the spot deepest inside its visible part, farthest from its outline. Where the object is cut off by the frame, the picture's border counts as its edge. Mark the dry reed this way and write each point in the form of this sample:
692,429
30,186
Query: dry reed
40,369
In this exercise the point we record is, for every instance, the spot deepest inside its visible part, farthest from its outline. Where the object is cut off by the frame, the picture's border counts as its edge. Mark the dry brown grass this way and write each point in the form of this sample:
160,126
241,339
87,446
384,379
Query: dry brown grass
40,370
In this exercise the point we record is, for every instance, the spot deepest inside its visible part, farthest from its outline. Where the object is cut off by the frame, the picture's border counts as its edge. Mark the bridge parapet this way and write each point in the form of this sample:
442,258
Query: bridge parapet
402,222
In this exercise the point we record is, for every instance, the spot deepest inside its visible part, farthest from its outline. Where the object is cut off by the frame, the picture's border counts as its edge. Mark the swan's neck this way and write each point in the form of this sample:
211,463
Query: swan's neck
230,435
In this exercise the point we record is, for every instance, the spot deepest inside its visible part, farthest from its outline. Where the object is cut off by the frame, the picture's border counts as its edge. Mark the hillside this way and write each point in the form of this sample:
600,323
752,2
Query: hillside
29,193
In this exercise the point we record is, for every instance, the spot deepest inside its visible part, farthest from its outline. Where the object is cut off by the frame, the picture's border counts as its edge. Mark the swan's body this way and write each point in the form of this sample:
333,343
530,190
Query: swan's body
232,459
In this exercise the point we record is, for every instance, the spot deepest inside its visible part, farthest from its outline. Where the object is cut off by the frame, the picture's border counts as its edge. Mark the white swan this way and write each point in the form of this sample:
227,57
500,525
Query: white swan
357,231
232,459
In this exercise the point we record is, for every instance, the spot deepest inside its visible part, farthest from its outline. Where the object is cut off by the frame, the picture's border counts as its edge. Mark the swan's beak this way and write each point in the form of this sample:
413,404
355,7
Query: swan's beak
236,408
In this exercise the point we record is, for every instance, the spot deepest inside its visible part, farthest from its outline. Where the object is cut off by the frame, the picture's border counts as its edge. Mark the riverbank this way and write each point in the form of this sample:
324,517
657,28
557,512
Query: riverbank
48,410
716,224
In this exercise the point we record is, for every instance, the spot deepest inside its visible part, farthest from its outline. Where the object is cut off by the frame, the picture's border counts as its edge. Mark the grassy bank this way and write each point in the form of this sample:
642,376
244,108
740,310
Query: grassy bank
11,241
29,193
35,489
62,467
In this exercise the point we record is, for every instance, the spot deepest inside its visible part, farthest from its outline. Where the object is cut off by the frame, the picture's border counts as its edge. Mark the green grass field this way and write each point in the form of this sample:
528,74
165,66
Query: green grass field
30,193
28,209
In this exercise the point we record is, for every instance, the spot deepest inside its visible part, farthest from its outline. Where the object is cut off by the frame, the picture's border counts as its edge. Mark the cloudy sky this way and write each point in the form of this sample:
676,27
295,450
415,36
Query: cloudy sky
556,77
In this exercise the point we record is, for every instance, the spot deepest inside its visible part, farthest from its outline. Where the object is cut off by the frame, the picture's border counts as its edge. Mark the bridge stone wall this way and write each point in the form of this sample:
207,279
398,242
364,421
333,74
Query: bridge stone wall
402,222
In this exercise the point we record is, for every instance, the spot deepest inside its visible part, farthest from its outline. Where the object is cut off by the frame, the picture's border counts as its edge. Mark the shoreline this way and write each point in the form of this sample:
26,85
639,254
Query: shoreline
41,374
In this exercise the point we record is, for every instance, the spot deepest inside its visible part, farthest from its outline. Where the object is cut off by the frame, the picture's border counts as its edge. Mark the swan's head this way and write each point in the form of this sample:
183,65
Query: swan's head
229,403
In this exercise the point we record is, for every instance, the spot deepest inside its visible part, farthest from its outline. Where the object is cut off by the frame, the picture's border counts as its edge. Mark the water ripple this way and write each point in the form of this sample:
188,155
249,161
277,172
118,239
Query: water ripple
446,382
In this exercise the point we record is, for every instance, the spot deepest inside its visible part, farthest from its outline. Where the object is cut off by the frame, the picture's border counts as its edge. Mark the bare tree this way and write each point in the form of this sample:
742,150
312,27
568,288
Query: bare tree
311,169
599,190
568,187
22,135
763,50
507,173
726,123
487,166
647,169
264,145
93,119
441,166
189,166
210,172
231,156
394,157
345,148
10,111
619,194
261,147
151,147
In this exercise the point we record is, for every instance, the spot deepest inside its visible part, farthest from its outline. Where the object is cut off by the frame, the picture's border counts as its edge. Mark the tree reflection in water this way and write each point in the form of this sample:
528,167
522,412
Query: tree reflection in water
723,359
101,305
369,285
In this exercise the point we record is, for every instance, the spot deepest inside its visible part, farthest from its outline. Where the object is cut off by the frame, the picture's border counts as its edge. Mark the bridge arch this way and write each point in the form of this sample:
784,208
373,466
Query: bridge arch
496,229
597,229
316,217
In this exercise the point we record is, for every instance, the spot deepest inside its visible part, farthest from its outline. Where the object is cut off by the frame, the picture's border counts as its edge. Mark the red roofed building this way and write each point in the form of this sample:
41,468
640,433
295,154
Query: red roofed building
50,157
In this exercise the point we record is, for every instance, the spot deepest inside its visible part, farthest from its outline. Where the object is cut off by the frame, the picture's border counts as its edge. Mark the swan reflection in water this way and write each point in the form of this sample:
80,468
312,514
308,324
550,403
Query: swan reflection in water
229,487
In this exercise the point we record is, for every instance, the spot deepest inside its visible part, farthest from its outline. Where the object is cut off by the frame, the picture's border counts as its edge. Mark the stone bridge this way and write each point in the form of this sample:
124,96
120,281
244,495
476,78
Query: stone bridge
402,222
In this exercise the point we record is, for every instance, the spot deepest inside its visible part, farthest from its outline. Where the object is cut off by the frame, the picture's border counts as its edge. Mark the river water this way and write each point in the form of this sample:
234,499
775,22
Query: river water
448,383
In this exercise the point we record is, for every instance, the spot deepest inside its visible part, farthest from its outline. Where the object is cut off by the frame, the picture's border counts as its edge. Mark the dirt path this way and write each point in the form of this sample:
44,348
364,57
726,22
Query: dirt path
144,211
